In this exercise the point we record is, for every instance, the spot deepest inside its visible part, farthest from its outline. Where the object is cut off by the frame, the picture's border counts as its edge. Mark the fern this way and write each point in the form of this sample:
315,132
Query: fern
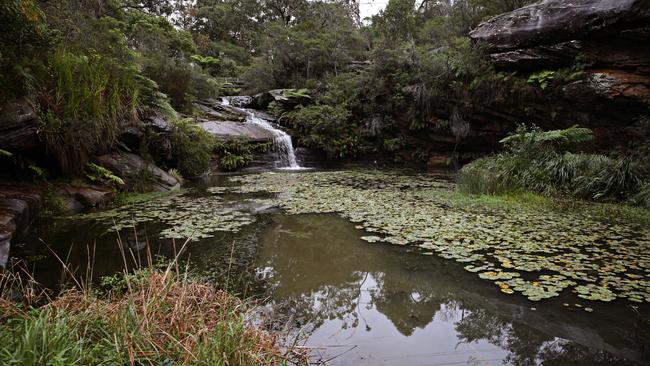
541,78
97,173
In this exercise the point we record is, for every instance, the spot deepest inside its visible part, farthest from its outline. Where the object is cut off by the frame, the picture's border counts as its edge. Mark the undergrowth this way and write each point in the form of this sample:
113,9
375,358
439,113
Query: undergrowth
236,153
547,163
154,316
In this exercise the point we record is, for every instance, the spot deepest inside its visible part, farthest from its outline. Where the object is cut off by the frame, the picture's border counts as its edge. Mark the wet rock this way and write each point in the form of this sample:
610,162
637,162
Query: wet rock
237,130
19,205
137,173
215,109
286,97
18,126
239,101
79,196
157,124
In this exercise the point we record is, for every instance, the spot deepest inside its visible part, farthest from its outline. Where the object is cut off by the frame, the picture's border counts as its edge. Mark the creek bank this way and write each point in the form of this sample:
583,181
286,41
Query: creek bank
21,138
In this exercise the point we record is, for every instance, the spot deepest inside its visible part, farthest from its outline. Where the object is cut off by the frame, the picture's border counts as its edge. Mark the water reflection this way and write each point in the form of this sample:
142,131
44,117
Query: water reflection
369,304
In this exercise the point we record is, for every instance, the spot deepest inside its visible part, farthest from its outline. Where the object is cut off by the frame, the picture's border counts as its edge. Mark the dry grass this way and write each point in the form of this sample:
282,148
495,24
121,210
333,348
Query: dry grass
150,317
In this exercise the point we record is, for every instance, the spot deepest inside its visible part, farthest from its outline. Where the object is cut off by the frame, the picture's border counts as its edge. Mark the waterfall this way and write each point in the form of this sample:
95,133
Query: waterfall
282,144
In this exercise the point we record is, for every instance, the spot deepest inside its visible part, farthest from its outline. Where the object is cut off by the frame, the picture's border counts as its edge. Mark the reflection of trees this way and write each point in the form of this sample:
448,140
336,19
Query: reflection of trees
525,345
320,272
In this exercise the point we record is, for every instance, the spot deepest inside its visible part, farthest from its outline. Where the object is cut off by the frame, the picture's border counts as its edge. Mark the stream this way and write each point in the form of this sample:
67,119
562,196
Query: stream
354,301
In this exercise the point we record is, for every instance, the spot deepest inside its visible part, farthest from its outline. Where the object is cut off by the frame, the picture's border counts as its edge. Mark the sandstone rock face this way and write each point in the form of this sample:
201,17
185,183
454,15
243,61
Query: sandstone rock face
134,170
613,93
555,21
237,130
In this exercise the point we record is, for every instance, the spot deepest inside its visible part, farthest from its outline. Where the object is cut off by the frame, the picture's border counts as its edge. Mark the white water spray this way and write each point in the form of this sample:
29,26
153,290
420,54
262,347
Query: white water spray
282,144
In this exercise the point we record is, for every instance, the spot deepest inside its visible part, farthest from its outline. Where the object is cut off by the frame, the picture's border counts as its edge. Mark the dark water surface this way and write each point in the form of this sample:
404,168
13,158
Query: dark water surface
368,304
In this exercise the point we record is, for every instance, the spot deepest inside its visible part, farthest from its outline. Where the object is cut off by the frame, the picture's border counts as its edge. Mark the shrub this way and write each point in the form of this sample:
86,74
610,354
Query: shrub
327,128
540,162
235,154
643,197
23,35
191,147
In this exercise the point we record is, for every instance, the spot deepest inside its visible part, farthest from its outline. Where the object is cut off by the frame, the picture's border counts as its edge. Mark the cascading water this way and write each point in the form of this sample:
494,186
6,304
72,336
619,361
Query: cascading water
282,144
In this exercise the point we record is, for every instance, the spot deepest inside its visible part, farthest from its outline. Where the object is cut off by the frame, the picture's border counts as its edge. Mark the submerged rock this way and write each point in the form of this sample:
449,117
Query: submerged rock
135,171
19,205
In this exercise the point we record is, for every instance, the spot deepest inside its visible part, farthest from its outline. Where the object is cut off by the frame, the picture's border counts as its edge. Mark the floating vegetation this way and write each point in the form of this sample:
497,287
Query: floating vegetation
185,216
538,253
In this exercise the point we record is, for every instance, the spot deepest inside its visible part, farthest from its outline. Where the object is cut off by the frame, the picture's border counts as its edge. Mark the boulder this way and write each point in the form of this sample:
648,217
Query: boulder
5,245
79,196
286,97
237,130
135,171
157,124
18,126
216,109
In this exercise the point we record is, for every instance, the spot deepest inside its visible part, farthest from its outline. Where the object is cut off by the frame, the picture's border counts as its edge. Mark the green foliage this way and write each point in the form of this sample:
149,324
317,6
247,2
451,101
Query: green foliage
41,338
6,153
83,105
300,93
642,198
23,34
191,147
97,173
541,78
236,154
39,174
326,127
540,162
151,311
535,141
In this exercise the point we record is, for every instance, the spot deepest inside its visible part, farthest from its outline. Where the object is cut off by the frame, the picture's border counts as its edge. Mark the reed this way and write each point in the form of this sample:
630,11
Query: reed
151,316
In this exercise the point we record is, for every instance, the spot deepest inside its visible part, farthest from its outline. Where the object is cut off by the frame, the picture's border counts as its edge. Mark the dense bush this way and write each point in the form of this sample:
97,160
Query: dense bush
192,148
236,154
326,127
542,162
